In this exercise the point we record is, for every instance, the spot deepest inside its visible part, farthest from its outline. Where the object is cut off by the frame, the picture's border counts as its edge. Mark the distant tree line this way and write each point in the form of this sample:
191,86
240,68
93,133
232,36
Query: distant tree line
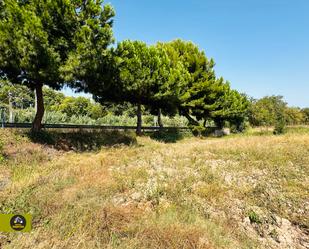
80,110
73,110
270,110
67,43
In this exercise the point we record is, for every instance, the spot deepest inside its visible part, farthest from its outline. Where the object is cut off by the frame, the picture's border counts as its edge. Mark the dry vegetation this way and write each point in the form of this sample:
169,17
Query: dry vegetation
235,192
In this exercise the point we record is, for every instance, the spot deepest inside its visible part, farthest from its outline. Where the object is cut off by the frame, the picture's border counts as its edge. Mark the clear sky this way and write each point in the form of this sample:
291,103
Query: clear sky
260,46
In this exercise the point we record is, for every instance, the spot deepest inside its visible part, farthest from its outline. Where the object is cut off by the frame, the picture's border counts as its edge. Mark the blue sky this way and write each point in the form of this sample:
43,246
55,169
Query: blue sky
260,46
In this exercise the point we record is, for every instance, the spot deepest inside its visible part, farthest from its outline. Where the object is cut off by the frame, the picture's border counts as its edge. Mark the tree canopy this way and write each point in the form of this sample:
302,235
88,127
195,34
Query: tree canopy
40,41
66,42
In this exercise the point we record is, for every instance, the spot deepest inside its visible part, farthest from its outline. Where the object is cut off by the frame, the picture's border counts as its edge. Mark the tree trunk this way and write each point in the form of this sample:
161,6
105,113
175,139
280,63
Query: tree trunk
37,122
160,123
204,123
139,120
191,120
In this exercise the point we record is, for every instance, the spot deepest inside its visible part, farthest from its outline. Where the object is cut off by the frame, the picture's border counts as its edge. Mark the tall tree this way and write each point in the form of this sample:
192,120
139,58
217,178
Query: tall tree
138,70
305,112
232,107
263,112
196,74
38,40
294,116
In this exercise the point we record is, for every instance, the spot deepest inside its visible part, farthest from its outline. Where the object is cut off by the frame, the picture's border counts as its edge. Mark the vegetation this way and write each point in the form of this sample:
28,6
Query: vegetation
166,189
39,40
244,191
80,110
67,42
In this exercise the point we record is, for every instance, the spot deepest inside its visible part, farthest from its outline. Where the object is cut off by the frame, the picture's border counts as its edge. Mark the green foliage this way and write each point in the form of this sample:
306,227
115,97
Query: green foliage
280,123
232,107
44,42
89,63
305,112
126,109
263,112
169,136
74,106
39,37
57,117
21,96
294,116
191,73
52,98
140,69
242,126
254,217
198,92
280,118
273,111
202,131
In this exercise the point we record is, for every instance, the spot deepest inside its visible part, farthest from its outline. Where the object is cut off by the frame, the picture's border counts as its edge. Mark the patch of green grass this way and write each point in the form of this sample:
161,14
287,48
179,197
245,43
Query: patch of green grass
297,129
254,217
63,183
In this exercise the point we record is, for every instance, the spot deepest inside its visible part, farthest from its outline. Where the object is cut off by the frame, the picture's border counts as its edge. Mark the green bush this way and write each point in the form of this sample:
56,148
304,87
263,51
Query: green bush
280,125
201,131
57,117
171,135
54,117
24,115
239,127
254,217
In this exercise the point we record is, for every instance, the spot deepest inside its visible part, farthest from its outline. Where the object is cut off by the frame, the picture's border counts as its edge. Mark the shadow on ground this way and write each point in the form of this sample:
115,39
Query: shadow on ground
82,140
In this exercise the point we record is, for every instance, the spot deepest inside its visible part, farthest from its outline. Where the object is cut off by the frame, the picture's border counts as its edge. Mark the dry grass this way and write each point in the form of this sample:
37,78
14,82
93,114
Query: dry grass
235,192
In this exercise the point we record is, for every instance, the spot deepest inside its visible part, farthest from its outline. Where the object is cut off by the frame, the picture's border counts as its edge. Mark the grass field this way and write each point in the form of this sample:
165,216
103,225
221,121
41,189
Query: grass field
242,191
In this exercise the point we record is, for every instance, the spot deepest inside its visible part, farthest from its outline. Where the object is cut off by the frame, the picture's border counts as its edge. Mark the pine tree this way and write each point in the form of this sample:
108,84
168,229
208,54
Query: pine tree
40,41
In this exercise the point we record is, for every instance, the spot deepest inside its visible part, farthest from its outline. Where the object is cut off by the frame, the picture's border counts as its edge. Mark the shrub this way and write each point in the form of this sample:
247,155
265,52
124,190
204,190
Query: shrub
171,135
254,217
201,131
54,117
24,115
239,127
280,124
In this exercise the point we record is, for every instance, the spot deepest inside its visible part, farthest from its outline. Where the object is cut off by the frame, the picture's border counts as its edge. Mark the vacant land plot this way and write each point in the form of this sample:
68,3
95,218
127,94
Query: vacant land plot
235,192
